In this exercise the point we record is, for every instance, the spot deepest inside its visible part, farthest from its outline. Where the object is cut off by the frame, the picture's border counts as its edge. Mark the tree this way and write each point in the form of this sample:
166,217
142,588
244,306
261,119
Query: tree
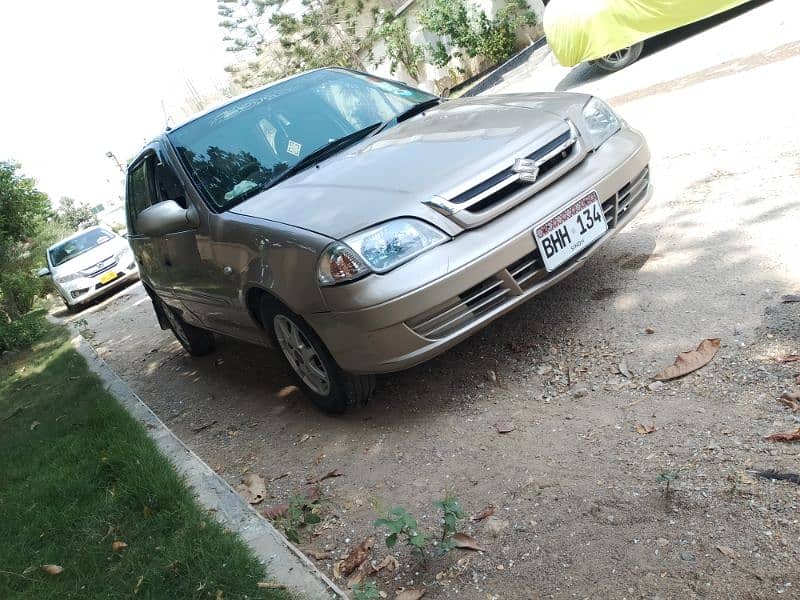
399,48
324,33
75,216
245,22
470,32
23,213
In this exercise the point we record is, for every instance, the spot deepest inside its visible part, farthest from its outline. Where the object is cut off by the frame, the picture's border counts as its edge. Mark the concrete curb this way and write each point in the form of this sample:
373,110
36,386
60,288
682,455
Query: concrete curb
285,563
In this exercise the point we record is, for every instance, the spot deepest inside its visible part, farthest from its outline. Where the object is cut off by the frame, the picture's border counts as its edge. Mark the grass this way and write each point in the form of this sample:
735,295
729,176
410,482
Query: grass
87,476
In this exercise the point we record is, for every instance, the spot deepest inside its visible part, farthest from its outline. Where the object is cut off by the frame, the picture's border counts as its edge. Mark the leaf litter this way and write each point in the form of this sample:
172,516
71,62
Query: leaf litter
690,361
785,436
253,488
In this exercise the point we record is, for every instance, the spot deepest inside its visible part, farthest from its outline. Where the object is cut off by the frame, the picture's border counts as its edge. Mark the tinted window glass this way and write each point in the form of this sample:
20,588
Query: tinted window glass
71,248
139,192
236,150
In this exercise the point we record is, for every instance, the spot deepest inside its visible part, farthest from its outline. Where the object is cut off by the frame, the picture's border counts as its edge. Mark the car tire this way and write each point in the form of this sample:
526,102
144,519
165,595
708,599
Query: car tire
620,59
195,340
331,389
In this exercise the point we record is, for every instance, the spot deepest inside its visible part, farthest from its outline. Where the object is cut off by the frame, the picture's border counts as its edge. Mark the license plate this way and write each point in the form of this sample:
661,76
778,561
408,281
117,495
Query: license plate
106,277
573,229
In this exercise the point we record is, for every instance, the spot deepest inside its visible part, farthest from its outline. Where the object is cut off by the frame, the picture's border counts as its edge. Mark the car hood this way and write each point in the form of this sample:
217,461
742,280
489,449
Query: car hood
391,174
90,258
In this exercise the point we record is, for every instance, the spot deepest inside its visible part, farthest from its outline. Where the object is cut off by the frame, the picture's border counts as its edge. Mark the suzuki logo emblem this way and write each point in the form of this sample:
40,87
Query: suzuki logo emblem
527,169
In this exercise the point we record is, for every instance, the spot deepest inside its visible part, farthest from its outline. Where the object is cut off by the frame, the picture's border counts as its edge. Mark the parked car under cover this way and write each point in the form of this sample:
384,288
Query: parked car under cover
610,32
362,226
88,264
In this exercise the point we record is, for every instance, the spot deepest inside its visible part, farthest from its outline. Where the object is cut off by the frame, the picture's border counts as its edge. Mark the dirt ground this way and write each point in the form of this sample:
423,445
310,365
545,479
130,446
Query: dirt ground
579,510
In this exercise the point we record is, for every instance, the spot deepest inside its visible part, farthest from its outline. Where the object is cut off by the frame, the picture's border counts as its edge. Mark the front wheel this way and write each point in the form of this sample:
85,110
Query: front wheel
620,59
196,341
331,389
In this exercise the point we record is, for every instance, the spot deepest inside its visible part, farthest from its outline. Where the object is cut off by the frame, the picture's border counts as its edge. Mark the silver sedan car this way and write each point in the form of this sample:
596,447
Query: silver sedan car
88,264
362,226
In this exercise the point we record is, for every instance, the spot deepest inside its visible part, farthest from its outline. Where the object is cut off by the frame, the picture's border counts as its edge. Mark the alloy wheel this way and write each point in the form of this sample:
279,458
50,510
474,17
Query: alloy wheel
301,355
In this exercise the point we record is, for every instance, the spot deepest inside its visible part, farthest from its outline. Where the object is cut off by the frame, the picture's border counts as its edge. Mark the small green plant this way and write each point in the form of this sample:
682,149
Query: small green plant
403,526
21,333
451,515
666,477
366,591
300,514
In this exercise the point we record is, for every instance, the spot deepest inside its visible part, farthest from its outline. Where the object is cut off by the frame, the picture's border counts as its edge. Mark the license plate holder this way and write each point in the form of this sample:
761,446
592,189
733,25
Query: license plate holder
108,277
570,230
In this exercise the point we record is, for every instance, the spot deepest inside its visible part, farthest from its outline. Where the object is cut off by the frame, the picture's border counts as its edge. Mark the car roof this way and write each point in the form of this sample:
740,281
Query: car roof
78,234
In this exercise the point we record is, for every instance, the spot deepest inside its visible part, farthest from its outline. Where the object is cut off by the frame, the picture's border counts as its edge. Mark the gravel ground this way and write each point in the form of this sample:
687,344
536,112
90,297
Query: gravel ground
579,510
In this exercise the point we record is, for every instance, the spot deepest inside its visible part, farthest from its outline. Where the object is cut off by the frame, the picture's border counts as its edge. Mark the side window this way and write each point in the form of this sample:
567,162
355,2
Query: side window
168,187
139,191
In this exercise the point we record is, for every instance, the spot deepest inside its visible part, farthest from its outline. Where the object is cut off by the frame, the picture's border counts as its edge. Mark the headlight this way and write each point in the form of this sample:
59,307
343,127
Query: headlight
378,249
69,277
126,251
600,120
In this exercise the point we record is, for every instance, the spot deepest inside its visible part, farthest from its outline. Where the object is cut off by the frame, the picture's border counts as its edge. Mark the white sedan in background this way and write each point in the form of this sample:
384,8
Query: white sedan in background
88,264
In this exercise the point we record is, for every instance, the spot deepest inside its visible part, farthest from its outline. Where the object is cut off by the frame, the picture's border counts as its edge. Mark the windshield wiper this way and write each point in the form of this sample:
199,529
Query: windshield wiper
321,153
408,113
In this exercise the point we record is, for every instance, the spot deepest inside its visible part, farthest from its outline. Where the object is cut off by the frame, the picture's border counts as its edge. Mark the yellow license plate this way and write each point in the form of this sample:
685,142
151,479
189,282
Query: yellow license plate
106,277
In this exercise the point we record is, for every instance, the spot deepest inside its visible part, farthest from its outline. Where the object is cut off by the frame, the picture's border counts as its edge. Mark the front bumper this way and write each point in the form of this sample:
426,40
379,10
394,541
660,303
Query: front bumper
460,287
84,289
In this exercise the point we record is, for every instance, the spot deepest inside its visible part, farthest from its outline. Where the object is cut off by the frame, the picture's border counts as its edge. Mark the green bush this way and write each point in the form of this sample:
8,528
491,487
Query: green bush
20,290
21,333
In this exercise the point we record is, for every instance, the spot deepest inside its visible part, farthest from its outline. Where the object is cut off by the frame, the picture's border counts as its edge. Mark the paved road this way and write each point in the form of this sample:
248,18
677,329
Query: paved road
579,511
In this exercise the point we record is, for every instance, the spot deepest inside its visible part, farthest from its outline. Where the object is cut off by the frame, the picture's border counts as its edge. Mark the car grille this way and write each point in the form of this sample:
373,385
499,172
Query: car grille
506,189
103,265
492,293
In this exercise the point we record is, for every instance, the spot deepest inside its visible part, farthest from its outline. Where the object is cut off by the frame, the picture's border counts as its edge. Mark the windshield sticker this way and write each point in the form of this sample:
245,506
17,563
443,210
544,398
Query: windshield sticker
240,188
294,148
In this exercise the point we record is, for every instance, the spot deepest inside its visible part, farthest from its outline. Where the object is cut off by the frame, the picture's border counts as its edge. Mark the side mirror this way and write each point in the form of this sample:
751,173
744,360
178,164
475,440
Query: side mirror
166,217
43,272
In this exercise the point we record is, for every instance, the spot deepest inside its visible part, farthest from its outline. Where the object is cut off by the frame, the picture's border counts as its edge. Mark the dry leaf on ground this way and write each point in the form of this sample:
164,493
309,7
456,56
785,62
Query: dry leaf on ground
467,542
268,585
504,427
789,358
410,594
790,399
118,545
358,576
785,436
649,330
34,425
52,569
276,511
727,552
486,512
690,361
318,555
219,595
253,488
790,298
389,562
645,429
623,369
138,584
356,556
328,475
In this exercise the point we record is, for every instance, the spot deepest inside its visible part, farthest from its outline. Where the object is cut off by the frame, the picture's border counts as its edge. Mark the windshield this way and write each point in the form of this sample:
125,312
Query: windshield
235,151
78,245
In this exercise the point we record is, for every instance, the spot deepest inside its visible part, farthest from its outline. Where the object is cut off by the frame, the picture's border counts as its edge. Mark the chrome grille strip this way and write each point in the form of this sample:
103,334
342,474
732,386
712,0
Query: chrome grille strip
527,272
564,142
474,311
